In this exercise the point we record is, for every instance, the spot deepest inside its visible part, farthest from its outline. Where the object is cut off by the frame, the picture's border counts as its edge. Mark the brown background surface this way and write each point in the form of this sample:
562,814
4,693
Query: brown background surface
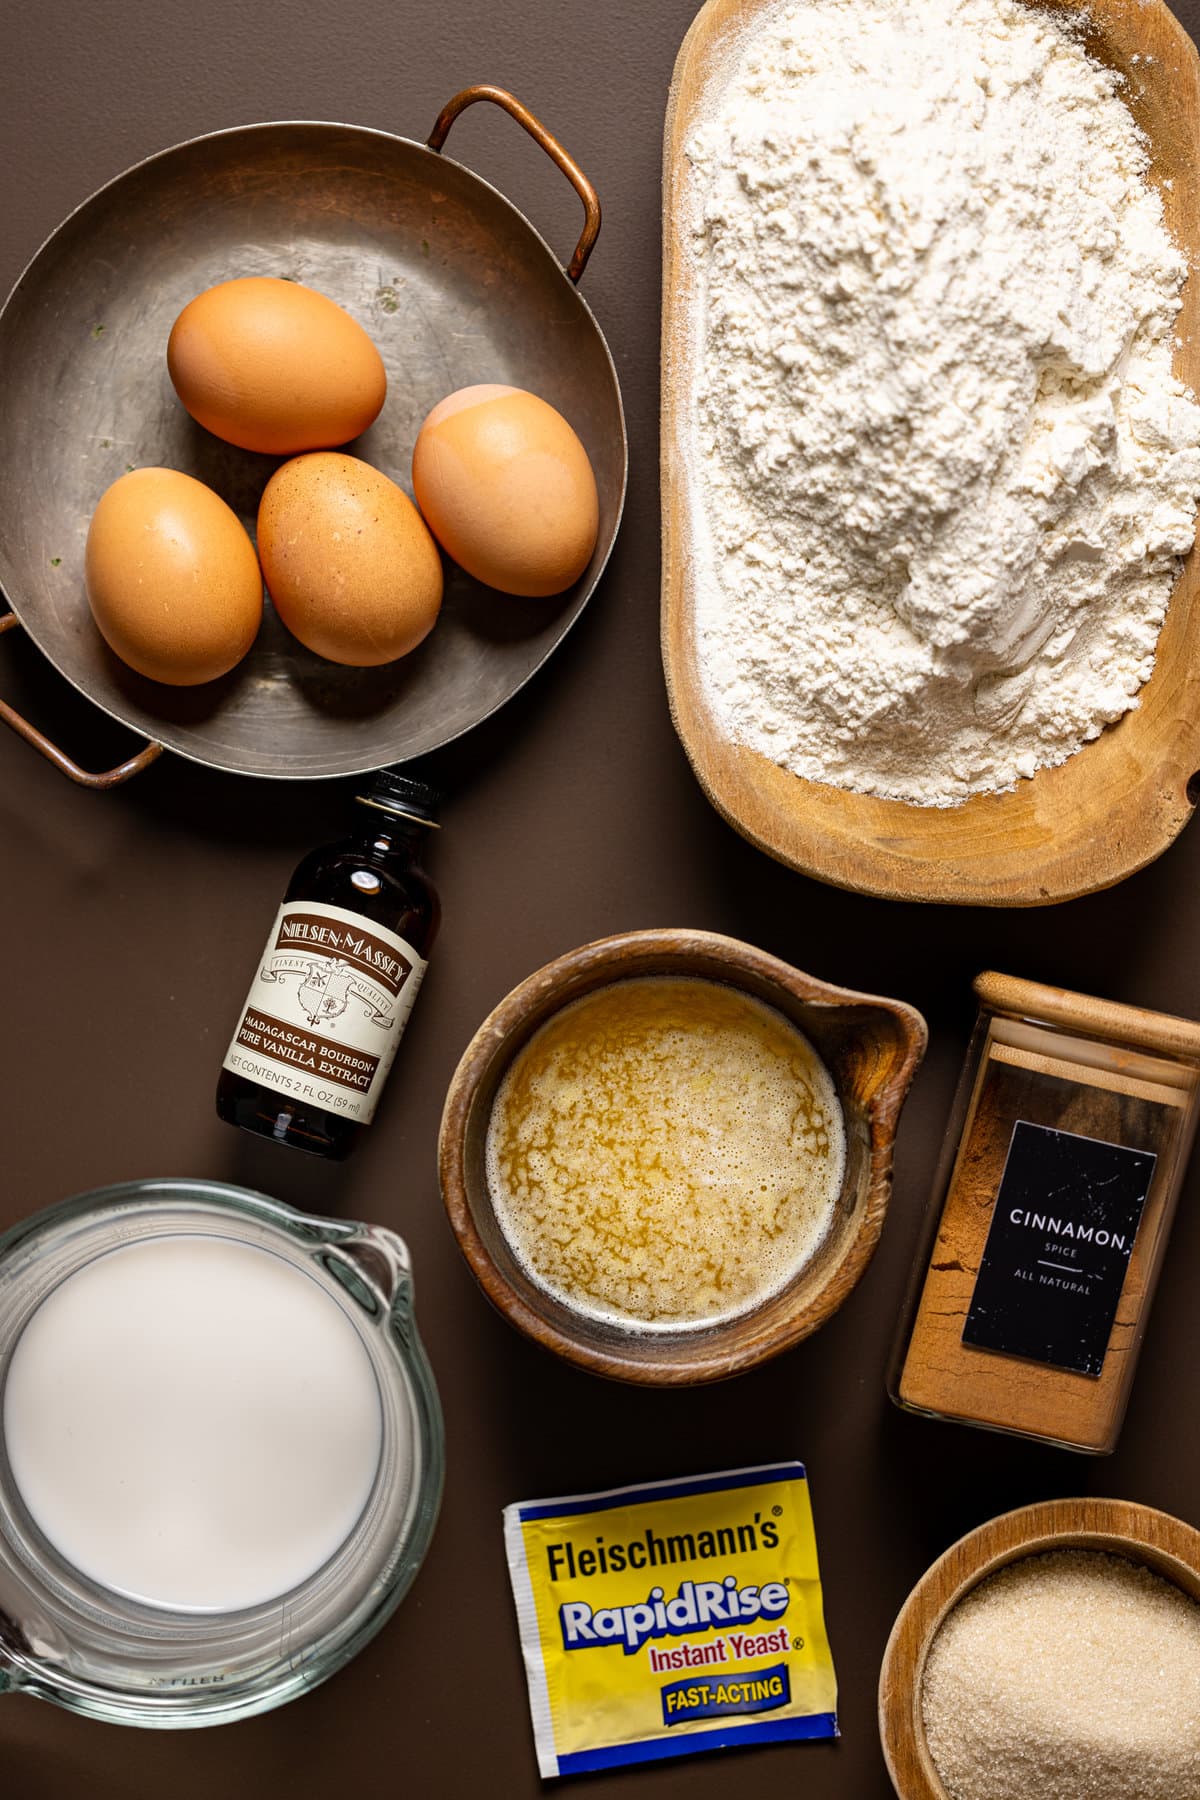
130,925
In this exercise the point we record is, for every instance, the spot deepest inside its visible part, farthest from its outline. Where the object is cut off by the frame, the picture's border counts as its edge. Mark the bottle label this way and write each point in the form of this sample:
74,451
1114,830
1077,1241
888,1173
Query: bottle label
1058,1248
327,1009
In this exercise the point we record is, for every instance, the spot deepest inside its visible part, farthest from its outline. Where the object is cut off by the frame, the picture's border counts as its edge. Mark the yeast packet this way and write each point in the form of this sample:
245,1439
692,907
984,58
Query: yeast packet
671,1618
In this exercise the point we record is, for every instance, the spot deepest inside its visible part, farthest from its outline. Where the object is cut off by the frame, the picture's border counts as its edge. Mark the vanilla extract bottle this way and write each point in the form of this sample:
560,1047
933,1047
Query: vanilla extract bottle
317,1036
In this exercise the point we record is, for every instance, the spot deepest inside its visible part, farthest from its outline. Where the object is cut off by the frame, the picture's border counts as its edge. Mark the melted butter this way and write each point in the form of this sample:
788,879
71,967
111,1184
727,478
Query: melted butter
665,1151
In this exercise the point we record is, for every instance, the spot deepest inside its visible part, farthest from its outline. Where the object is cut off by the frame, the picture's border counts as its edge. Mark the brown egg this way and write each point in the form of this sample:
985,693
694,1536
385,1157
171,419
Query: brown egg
172,577
351,568
270,365
507,489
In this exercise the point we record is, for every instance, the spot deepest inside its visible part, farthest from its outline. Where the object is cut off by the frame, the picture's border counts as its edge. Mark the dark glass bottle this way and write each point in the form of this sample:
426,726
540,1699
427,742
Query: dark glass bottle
317,1035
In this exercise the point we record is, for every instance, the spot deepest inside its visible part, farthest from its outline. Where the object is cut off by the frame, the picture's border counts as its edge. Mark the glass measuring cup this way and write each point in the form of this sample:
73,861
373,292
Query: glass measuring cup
66,1638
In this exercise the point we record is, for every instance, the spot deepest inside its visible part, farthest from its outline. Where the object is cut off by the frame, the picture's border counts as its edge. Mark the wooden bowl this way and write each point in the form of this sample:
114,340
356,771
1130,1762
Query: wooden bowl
1155,1539
1121,800
871,1047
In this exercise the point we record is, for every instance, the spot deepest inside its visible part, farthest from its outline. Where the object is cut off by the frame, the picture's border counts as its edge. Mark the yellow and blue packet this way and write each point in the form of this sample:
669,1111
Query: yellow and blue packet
671,1618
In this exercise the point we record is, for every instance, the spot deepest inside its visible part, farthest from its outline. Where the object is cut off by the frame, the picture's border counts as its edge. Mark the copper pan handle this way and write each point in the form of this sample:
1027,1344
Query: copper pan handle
512,106
107,778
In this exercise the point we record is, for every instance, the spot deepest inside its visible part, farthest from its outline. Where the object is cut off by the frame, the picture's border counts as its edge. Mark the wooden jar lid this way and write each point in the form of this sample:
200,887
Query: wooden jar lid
1106,1019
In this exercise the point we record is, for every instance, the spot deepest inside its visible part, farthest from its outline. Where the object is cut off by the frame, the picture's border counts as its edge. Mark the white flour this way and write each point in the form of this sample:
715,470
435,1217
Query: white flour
943,474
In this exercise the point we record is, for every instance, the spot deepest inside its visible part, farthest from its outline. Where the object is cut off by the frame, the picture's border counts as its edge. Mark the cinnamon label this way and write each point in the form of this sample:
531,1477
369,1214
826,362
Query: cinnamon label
1061,1236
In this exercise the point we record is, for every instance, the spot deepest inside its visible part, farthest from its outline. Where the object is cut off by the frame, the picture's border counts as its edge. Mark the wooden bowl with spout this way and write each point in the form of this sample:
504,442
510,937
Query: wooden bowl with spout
870,1046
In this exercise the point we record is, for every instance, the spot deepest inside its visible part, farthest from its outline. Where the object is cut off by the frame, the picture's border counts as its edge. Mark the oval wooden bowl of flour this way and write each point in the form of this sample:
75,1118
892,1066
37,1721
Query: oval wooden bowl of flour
1112,807
1139,1533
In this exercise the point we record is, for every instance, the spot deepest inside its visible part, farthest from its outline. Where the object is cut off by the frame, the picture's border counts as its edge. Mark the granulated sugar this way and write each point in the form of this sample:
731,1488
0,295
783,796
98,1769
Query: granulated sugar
1070,1676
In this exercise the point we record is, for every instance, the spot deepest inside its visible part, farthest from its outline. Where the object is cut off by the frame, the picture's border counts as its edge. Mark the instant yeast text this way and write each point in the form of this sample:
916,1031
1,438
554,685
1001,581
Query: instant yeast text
667,1619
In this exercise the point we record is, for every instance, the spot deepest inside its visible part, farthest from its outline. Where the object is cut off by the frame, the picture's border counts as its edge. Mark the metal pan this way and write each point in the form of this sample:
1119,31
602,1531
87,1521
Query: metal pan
454,285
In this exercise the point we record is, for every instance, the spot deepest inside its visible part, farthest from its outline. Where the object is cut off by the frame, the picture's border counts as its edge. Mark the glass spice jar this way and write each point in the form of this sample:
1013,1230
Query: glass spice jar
1071,1132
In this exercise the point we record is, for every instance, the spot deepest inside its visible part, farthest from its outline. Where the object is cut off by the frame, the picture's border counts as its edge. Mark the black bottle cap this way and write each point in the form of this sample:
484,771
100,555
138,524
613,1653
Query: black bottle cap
404,795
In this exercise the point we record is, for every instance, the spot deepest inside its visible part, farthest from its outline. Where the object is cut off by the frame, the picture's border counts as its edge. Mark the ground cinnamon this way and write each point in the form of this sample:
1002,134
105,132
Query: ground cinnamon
1077,1117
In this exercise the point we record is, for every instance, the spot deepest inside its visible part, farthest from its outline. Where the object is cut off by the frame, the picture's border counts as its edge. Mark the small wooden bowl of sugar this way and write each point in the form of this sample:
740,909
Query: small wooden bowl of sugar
1054,1650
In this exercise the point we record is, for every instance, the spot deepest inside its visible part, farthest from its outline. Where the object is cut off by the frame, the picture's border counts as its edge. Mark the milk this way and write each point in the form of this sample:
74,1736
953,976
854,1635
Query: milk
193,1422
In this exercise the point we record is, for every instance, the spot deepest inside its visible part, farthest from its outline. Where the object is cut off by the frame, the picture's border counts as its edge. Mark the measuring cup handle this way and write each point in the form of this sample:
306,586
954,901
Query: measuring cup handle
381,1258
102,779
512,106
